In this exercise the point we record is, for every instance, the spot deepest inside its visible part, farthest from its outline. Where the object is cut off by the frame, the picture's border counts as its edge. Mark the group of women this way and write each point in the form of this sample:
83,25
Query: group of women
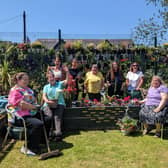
21,98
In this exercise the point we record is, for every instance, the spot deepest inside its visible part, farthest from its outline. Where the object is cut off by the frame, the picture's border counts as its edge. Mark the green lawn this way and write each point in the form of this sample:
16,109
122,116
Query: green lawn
97,149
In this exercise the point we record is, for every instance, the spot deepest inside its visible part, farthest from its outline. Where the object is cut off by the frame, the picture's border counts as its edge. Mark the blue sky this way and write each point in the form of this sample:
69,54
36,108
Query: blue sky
74,16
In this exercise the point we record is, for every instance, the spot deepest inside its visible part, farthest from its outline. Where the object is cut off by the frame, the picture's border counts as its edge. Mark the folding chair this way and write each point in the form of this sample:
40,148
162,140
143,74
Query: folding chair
12,128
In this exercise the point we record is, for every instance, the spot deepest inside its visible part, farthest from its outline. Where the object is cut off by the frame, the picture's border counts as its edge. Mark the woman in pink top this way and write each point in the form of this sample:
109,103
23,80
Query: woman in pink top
22,102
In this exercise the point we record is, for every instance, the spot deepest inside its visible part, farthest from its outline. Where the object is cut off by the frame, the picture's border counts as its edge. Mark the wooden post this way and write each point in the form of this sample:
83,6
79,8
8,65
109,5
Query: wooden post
24,27
155,63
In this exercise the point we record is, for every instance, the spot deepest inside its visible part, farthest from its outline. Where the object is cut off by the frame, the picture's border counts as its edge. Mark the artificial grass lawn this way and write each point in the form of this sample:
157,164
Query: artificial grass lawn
97,149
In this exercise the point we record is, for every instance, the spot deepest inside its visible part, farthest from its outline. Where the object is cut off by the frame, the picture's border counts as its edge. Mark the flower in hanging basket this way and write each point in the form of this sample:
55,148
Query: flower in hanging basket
127,125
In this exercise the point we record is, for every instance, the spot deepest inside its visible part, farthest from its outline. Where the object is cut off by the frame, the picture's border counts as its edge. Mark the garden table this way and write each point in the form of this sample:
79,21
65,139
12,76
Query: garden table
96,117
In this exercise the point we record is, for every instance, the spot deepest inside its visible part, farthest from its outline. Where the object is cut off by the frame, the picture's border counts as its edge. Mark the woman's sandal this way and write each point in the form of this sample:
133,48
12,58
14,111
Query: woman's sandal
157,134
146,131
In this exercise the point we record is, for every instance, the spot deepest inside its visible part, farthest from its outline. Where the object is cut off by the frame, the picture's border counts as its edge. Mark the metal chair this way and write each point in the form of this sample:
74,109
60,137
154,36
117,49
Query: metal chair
13,128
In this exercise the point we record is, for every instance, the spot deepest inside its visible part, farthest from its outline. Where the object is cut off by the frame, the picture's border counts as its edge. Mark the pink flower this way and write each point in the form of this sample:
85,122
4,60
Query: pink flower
95,100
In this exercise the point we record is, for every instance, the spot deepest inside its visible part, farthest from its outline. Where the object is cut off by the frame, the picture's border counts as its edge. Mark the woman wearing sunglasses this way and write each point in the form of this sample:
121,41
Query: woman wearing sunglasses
134,81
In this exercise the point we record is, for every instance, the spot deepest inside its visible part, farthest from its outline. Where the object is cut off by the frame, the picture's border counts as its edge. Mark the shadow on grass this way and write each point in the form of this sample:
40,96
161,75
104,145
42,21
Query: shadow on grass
6,149
136,134
61,145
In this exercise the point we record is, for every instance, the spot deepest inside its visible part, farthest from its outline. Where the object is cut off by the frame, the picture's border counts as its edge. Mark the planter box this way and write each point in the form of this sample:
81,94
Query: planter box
89,118
93,118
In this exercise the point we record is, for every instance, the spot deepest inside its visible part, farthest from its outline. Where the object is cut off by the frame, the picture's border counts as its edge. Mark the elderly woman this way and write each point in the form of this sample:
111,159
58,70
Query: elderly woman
134,81
114,80
155,106
23,103
54,102
94,82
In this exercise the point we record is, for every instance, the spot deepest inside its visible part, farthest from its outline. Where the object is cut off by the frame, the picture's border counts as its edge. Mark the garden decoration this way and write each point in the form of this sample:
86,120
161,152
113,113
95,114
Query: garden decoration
127,124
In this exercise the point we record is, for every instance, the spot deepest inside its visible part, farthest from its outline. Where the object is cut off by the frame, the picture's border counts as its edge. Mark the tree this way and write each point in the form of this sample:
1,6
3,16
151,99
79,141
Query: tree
155,26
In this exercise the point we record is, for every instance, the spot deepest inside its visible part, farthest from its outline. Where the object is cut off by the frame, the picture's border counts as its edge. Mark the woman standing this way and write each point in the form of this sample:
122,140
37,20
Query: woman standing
134,81
23,103
74,77
94,83
57,69
155,106
114,80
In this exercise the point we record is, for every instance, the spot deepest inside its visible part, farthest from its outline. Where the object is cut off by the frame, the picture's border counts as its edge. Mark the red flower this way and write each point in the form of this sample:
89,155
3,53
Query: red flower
86,101
123,60
22,46
127,98
69,89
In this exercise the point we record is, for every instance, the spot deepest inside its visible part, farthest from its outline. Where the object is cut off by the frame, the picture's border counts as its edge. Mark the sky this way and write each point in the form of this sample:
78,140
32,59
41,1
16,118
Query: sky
73,17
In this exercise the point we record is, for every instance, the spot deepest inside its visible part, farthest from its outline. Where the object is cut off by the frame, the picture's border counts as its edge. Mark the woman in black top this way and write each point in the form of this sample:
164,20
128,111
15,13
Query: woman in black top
74,76
114,80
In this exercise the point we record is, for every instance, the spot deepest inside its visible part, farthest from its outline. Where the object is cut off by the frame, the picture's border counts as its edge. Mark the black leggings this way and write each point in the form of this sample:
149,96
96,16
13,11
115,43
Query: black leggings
93,96
35,133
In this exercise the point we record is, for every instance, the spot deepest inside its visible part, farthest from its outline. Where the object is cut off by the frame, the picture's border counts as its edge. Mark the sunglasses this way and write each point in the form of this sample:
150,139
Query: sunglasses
134,65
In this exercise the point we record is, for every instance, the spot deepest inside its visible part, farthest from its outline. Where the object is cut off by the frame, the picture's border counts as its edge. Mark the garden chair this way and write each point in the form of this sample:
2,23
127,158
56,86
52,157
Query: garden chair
164,126
15,131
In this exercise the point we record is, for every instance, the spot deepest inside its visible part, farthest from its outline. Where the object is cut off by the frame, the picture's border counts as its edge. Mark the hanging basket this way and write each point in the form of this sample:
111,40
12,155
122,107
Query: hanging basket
128,131
127,124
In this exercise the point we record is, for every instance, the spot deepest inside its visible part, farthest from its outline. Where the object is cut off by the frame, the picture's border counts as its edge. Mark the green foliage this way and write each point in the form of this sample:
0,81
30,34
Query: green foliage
156,25
5,77
77,45
104,46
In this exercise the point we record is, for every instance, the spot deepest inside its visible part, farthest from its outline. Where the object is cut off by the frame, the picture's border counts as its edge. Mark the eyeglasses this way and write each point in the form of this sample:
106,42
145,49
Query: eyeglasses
134,65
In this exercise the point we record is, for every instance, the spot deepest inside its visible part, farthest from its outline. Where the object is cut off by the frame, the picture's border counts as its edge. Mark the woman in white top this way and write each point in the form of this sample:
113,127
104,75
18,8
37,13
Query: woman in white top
57,70
134,81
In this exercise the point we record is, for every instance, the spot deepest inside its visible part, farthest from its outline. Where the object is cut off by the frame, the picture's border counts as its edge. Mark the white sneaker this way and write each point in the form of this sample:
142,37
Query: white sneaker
28,152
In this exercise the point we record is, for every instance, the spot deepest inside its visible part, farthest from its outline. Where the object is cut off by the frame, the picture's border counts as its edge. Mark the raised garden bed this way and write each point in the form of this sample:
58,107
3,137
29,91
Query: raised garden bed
92,118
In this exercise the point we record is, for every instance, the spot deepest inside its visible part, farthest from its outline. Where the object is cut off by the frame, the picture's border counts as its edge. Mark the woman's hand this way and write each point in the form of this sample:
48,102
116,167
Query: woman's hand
156,110
26,106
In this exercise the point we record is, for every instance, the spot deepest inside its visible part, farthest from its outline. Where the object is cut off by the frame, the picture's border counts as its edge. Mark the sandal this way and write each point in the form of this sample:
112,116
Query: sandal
157,134
145,131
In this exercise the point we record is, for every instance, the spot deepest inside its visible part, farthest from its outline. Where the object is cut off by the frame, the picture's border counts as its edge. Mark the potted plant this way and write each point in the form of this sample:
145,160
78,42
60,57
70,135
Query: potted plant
127,125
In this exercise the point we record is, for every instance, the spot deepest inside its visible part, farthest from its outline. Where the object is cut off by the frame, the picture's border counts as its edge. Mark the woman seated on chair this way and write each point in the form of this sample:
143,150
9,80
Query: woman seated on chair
155,106
54,102
22,102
